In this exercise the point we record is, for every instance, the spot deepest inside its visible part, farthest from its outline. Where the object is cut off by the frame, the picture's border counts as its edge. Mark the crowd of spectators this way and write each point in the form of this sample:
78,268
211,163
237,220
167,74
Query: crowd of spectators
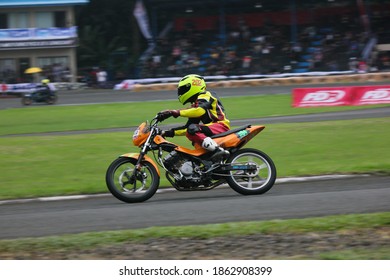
329,45
8,76
57,72
241,52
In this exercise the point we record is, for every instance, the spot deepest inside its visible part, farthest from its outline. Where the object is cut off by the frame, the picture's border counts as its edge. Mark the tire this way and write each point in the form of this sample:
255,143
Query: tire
121,185
252,183
52,99
26,100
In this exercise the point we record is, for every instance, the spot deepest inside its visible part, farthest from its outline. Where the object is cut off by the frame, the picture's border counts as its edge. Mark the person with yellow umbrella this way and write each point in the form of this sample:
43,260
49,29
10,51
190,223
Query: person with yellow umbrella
33,71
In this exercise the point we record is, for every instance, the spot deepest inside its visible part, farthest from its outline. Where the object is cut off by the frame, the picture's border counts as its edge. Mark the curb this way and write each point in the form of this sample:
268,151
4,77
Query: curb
79,197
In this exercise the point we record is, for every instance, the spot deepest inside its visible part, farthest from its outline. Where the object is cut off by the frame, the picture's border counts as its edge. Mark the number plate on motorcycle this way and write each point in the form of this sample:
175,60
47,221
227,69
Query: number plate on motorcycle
242,133
136,133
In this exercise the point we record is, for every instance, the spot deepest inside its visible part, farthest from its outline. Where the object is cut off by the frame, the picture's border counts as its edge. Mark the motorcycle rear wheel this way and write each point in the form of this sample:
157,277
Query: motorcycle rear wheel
129,186
251,182
52,99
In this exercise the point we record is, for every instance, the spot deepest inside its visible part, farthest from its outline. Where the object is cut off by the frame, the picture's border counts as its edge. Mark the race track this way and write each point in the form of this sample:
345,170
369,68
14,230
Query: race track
92,96
355,194
286,200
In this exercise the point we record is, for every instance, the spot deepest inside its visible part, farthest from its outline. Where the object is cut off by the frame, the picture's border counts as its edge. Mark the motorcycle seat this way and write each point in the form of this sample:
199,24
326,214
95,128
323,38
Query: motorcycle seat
231,131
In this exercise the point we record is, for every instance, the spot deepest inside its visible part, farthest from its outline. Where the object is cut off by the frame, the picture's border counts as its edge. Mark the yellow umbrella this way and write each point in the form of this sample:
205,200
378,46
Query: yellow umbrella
33,70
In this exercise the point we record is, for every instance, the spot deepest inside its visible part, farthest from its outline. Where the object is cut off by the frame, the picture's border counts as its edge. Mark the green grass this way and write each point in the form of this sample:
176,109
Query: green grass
53,165
73,164
74,242
84,117
39,165
357,254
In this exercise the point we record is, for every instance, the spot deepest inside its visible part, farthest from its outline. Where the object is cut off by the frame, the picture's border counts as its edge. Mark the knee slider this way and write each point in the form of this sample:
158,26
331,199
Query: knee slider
193,129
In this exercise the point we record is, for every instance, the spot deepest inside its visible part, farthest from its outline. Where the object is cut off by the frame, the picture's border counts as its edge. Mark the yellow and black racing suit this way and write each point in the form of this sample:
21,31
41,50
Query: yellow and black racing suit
208,110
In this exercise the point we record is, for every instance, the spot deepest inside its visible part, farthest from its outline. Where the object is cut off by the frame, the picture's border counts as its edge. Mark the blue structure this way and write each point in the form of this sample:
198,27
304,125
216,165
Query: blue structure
36,3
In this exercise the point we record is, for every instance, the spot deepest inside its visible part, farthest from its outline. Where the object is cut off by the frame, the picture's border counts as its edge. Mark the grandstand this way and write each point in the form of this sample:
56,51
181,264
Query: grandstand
233,37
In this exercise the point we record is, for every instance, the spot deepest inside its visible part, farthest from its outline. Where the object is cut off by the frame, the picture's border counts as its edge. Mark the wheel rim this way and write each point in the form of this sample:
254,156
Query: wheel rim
27,101
124,183
51,100
254,179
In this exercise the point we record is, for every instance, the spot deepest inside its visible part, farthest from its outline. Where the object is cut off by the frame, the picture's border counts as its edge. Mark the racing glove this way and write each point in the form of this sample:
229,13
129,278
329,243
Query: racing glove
163,115
168,133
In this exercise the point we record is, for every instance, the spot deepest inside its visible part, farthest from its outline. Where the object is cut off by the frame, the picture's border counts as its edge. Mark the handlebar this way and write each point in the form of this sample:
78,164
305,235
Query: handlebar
153,125
154,121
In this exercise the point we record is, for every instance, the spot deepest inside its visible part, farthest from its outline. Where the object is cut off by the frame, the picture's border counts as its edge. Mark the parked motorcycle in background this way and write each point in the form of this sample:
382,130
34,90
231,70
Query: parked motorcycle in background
135,177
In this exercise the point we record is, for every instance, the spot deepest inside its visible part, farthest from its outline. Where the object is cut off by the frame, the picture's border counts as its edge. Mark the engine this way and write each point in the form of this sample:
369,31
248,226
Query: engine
186,171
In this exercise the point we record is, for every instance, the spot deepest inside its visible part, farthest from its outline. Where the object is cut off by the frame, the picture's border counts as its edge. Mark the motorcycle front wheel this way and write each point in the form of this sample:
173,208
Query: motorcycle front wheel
129,184
253,172
26,100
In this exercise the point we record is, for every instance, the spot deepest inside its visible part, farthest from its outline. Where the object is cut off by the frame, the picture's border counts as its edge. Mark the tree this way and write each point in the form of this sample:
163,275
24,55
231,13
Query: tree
106,28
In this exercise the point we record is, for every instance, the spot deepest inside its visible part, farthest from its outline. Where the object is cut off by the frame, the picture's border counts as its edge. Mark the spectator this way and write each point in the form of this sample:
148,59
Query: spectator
101,76
362,67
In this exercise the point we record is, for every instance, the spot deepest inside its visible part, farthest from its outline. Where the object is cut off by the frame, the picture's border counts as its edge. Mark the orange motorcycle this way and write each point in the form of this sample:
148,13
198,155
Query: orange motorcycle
135,177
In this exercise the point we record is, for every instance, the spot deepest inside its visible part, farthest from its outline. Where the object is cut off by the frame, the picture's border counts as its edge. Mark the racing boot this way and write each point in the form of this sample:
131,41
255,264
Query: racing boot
218,152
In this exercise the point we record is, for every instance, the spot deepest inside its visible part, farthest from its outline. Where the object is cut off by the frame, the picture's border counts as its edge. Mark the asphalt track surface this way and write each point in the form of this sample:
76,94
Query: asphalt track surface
287,199
172,208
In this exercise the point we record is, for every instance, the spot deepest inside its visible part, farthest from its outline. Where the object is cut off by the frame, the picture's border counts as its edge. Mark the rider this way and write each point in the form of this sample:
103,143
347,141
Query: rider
206,108
44,89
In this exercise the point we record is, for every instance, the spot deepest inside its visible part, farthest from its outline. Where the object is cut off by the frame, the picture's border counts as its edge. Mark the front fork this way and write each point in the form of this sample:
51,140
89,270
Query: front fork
141,157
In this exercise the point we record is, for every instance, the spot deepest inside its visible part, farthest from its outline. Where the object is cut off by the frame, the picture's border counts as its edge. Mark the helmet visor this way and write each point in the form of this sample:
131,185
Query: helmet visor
183,89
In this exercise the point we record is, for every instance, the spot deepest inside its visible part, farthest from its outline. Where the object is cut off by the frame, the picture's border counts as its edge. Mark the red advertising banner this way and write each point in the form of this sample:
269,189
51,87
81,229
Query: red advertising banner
341,96
313,97
371,95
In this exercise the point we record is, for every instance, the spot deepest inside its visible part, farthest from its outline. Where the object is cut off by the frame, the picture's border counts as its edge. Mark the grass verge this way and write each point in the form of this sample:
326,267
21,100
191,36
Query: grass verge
71,244
76,164
86,117
73,164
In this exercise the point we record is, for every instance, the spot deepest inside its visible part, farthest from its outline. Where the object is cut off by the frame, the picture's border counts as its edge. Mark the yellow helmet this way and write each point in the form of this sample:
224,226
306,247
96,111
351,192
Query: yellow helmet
45,81
189,87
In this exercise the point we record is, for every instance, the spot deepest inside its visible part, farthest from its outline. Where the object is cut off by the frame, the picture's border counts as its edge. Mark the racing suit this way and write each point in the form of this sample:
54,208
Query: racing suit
208,110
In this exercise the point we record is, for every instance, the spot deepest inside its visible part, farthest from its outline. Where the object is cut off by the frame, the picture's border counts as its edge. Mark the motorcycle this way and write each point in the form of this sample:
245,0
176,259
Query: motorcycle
135,177
40,95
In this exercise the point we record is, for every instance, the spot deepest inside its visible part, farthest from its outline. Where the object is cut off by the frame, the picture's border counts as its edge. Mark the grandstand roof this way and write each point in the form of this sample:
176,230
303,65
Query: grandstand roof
210,6
28,3
239,6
